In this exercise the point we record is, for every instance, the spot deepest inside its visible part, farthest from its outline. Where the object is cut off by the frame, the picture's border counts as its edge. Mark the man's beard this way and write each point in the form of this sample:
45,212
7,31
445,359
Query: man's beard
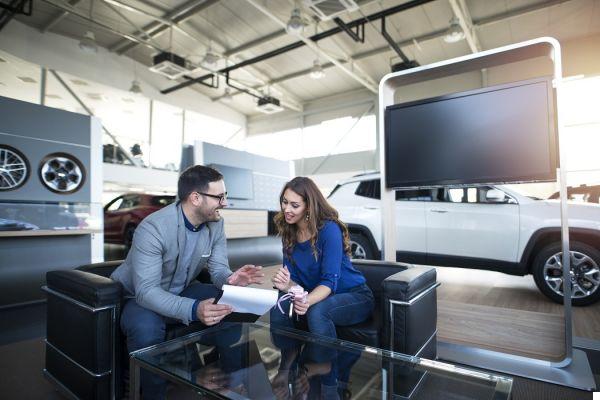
209,215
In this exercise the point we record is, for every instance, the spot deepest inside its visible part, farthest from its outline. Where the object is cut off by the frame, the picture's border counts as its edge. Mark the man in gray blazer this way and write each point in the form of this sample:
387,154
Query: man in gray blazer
170,248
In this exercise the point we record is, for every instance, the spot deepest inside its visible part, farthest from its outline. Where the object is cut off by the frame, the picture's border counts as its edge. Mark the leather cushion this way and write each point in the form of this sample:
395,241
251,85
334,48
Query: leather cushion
91,289
409,283
103,269
376,271
365,333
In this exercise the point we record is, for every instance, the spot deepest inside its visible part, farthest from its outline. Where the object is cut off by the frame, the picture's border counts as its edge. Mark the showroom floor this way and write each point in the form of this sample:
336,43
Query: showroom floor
23,329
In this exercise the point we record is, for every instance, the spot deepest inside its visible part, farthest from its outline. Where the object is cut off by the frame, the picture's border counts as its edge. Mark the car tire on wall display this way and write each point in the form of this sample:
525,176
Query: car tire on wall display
14,168
62,173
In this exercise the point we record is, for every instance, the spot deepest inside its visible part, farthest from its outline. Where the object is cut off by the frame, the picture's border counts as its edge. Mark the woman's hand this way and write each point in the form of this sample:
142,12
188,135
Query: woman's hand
301,307
281,280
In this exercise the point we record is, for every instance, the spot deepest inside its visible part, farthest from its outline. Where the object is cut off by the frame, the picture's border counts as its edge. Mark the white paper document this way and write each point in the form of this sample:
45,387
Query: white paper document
248,300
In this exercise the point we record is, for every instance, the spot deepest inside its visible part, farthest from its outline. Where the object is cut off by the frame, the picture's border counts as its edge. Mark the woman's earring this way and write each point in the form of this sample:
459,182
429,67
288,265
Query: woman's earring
307,216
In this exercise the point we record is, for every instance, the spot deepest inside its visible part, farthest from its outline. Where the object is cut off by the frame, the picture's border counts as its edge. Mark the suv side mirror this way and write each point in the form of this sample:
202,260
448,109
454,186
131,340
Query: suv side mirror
495,196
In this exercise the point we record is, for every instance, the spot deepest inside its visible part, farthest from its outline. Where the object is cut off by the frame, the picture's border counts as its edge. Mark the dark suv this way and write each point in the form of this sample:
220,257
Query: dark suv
123,214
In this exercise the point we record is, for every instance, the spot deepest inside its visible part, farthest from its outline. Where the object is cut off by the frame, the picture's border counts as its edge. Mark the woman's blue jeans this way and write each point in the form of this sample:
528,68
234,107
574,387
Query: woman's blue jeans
340,309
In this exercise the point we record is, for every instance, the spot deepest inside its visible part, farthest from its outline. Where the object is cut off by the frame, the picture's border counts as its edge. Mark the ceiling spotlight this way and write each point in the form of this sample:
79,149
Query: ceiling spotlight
227,97
88,43
454,33
210,59
135,87
316,72
295,25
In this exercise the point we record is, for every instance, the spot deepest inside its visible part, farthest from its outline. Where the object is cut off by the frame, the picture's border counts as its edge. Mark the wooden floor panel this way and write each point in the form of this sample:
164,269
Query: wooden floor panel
506,313
524,333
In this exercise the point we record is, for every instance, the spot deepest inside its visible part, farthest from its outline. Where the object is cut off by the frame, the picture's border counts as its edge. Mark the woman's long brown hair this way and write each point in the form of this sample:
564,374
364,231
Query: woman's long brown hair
319,211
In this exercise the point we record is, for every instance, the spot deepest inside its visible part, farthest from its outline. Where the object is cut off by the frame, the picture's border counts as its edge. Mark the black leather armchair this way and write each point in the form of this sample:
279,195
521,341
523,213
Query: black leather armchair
86,354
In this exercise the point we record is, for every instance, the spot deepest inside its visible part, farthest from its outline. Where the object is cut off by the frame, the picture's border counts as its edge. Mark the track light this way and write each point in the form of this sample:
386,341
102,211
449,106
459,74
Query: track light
135,87
227,97
210,59
317,71
295,25
454,33
88,43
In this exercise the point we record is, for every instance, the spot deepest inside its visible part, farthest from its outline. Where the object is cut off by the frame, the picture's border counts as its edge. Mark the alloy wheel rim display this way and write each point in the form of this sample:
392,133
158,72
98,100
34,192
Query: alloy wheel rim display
14,168
62,173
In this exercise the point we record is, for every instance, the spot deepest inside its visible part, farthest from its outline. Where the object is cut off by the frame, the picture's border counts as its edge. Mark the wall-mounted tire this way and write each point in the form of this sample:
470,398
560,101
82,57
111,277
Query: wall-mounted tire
14,168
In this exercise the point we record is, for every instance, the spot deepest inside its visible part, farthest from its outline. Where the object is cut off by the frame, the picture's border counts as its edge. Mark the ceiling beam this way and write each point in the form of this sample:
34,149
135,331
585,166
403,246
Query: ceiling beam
59,17
366,81
315,38
139,11
460,10
176,16
130,37
477,24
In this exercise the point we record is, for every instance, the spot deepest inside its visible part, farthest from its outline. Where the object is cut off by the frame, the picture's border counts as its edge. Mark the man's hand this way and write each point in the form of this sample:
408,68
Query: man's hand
281,280
246,275
211,314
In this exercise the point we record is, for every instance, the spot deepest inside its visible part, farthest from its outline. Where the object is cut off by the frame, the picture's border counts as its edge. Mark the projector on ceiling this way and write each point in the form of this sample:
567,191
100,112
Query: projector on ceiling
401,66
328,9
168,64
268,105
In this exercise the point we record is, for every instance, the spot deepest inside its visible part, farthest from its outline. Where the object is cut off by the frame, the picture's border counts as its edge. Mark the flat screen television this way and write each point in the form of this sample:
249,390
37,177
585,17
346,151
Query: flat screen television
498,134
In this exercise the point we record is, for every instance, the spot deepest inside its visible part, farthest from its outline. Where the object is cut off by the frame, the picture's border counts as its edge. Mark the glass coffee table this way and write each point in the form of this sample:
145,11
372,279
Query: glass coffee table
259,361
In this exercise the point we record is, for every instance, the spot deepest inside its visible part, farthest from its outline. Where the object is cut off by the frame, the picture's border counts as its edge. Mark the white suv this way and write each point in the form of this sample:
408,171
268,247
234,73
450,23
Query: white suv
483,227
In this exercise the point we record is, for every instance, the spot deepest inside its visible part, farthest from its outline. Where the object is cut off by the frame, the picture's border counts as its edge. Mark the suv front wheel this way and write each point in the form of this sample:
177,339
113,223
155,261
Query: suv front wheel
585,273
360,247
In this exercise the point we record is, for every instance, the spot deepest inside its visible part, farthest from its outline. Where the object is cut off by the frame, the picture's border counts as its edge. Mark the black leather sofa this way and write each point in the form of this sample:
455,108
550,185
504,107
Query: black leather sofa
86,355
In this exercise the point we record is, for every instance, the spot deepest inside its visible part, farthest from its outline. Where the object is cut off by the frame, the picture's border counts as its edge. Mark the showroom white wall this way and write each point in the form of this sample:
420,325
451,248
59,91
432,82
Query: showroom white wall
63,54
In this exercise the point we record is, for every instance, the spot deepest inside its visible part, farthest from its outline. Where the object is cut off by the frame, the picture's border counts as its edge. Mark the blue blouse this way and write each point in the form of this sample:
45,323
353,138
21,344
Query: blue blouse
331,268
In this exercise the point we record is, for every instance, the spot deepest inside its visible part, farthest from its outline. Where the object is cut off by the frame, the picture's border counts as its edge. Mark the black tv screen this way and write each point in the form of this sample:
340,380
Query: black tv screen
499,134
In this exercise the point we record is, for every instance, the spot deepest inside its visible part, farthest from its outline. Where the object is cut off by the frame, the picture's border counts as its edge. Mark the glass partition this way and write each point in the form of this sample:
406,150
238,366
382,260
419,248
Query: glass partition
17,216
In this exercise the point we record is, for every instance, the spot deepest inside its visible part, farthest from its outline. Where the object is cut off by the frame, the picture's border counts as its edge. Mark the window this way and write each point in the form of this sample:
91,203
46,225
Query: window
129,202
466,195
414,195
212,130
167,130
340,135
370,189
115,205
282,145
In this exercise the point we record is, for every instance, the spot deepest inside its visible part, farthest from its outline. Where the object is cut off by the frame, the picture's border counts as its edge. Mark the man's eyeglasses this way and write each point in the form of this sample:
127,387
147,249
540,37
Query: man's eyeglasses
221,197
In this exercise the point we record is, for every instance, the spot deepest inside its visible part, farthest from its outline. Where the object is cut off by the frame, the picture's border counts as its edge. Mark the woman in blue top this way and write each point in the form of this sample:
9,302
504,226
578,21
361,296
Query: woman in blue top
315,256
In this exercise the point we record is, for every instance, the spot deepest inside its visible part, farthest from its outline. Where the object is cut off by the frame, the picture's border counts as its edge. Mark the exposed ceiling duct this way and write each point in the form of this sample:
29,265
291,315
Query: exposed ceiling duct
300,43
328,9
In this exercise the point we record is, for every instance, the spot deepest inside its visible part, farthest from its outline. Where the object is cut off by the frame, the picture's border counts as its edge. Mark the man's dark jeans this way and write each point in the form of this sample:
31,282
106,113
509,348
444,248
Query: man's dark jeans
144,328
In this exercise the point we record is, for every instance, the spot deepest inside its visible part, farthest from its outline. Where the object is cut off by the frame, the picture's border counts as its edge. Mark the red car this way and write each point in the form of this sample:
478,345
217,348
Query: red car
123,214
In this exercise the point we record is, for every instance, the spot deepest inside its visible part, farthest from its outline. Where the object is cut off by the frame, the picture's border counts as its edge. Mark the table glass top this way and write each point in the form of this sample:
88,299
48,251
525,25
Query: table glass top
257,361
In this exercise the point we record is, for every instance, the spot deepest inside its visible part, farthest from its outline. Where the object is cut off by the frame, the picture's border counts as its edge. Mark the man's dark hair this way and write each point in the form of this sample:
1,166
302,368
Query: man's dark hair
196,179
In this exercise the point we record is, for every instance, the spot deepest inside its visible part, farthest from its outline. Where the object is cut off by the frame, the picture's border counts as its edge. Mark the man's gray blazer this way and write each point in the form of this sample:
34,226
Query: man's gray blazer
153,262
